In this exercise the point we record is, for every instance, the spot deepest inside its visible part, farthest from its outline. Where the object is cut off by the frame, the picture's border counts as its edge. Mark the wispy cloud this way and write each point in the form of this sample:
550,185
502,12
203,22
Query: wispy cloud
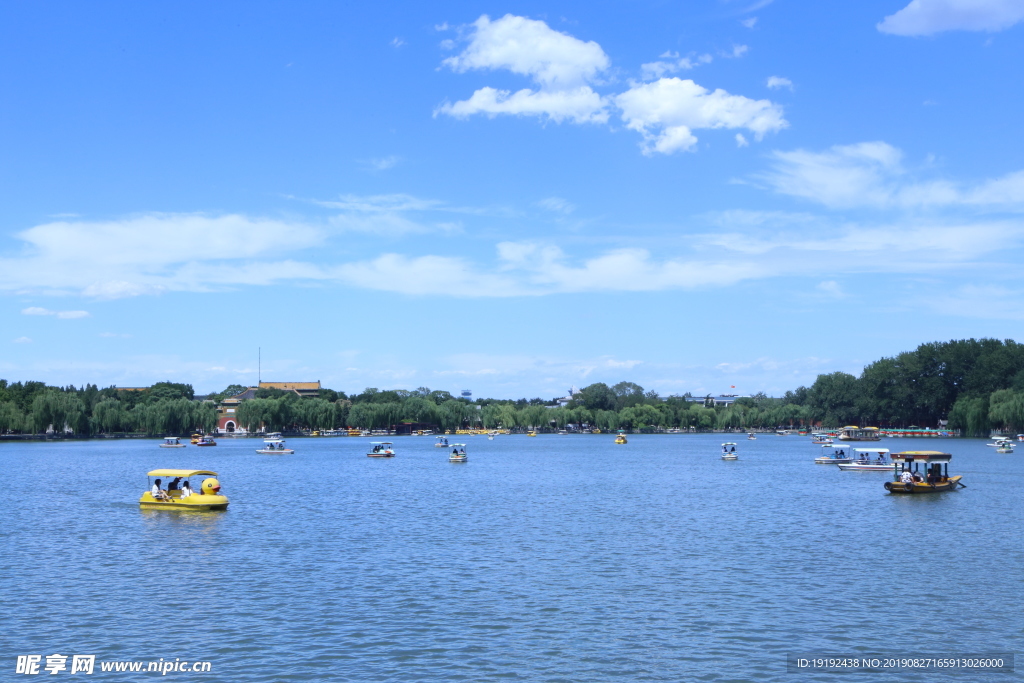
872,174
21,340
63,315
383,163
778,82
928,17
557,205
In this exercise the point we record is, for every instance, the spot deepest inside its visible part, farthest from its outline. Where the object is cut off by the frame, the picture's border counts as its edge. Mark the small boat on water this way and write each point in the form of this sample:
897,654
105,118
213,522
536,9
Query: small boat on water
1005,447
381,449
181,496
442,442
458,453
821,439
620,438
729,451
751,437
910,477
838,455
864,462
531,433
196,437
172,442
274,447
205,441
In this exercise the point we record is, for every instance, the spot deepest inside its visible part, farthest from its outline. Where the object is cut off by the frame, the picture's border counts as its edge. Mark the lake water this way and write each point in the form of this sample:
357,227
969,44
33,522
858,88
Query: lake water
556,558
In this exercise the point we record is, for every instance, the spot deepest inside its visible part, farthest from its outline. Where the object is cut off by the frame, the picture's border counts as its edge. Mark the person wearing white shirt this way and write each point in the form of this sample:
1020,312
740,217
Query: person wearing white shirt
186,489
157,492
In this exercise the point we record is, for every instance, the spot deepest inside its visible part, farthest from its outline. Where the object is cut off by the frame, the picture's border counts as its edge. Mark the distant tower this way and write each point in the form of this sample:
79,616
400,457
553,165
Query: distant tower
466,393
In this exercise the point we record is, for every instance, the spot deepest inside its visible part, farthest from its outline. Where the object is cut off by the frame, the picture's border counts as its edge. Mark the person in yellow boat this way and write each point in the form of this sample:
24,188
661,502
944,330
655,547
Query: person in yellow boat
173,486
158,492
186,489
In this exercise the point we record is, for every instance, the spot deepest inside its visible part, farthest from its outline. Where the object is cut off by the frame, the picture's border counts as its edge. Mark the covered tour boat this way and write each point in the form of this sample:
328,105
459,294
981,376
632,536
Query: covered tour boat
751,437
381,449
458,453
179,495
729,451
442,442
274,447
837,457
854,433
922,472
869,460
620,438
205,441
172,442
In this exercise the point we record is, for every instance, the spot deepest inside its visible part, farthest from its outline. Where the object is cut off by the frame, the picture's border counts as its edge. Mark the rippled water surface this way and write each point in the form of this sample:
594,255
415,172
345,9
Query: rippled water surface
556,558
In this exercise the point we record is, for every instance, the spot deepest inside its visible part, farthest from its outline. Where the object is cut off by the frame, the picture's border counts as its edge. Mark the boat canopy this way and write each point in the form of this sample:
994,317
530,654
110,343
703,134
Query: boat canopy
729,443
458,444
384,443
922,456
273,440
180,473
871,450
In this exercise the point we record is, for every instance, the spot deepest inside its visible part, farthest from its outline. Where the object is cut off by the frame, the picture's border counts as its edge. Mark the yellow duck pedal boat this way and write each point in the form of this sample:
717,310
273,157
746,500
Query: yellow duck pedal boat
179,495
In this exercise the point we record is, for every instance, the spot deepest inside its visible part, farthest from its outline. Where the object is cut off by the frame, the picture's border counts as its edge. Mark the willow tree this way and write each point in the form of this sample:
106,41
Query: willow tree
64,412
11,418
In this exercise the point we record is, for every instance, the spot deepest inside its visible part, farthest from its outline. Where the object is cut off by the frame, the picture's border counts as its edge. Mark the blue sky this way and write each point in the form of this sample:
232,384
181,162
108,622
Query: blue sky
507,198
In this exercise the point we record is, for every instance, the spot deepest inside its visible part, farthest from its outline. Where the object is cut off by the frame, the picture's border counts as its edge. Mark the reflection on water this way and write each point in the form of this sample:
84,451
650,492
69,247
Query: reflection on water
556,558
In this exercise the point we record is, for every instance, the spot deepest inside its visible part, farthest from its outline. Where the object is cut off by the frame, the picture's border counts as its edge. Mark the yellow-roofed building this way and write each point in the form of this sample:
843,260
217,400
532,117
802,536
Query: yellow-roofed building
310,389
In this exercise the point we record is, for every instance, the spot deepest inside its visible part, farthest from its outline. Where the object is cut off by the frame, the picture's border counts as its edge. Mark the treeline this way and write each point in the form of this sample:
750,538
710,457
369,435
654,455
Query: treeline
166,407
974,384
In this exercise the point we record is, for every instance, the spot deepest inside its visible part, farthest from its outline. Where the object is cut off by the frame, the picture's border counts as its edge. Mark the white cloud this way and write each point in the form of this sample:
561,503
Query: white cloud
557,205
737,51
397,42
22,340
749,22
579,105
927,17
654,70
872,174
664,112
529,47
563,67
741,141
667,110
64,315
778,82
427,275
142,254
